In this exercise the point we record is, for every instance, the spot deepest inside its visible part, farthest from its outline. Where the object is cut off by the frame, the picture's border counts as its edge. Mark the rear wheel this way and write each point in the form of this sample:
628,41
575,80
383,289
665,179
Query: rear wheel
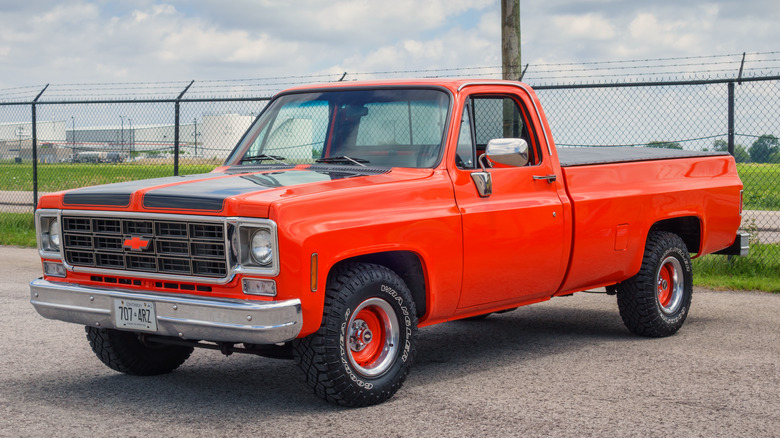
656,301
124,352
365,347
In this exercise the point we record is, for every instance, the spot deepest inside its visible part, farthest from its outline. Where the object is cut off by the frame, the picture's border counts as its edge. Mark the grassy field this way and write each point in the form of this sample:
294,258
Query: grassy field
762,185
758,271
17,229
55,177
762,181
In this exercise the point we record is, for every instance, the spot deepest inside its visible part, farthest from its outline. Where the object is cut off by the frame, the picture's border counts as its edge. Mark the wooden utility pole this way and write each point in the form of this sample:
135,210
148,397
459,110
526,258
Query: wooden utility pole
510,40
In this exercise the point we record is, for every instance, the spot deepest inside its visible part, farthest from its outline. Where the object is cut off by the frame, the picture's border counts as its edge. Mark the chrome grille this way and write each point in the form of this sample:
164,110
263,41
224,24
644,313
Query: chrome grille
171,247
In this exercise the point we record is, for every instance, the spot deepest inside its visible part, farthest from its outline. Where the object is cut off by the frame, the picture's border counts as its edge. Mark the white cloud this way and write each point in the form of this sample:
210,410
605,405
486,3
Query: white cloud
588,26
160,40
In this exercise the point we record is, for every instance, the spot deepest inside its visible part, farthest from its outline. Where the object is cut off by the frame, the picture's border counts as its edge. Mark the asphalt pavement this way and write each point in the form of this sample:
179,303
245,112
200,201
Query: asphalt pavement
566,367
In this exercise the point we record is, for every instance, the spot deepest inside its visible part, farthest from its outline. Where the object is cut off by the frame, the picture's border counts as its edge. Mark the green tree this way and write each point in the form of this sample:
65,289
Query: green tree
764,148
740,154
664,144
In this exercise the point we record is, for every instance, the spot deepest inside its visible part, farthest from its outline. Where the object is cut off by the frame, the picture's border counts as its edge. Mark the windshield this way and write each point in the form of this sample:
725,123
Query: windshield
385,128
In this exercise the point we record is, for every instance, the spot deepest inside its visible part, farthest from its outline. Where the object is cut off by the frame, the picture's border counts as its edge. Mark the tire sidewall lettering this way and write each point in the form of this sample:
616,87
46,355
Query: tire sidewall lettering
389,294
680,255
406,320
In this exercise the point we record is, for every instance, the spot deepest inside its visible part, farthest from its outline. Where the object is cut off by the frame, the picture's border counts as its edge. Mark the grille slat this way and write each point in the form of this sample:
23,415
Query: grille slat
108,243
111,226
80,241
76,224
176,266
174,247
141,228
207,231
113,261
167,247
208,250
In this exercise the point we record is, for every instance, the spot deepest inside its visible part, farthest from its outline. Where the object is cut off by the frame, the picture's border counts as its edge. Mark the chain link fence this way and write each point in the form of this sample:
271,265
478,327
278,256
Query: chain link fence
726,115
174,129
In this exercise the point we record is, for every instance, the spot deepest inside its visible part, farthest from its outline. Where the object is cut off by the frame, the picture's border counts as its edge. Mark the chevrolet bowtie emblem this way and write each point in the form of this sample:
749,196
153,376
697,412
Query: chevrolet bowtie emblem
136,243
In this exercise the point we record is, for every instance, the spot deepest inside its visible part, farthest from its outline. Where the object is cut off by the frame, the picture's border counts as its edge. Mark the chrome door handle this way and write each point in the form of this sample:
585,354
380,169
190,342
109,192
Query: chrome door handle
550,178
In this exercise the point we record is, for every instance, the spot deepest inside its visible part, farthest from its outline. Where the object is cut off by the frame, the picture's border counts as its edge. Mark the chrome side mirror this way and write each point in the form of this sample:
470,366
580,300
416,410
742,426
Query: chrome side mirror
482,180
507,151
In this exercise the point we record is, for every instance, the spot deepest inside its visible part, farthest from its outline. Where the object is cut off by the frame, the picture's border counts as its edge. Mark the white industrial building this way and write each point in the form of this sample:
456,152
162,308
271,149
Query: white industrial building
214,136
16,138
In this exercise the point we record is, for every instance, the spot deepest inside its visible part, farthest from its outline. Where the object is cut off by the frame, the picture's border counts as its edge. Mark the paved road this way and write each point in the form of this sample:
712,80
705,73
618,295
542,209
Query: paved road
563,368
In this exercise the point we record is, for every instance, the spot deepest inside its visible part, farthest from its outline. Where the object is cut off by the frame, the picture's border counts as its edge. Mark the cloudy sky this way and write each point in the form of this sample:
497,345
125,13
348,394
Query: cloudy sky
102,41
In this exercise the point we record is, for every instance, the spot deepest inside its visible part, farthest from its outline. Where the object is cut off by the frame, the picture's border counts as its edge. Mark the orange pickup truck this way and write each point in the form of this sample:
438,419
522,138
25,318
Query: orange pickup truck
351,214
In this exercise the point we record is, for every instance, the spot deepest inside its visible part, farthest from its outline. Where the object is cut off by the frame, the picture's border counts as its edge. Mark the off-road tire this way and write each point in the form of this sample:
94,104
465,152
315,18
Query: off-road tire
656,301
366,306
124,352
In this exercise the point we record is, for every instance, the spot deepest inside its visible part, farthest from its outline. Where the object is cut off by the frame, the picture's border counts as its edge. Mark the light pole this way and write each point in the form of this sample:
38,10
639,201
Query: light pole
73,134
195,134
20,133
132,134
122,133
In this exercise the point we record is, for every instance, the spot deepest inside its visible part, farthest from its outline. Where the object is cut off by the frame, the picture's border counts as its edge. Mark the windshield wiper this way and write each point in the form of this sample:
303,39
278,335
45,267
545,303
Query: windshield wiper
264,157
343,159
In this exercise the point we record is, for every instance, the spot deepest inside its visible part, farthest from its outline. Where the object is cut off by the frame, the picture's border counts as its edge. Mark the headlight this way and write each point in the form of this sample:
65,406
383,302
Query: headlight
262,247
54,234
47,226
256,246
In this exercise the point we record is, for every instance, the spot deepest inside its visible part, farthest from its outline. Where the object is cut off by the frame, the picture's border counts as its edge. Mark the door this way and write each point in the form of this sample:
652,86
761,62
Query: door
513,239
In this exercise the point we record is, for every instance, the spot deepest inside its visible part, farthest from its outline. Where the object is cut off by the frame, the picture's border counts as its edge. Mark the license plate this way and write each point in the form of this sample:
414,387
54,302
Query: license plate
135,315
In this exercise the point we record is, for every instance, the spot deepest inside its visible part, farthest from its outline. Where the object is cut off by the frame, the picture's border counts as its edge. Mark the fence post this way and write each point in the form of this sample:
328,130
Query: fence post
176,131
34,146
731,118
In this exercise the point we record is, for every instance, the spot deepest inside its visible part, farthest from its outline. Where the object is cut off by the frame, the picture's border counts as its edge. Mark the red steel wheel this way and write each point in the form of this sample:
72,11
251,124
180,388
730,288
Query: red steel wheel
670,286
373,334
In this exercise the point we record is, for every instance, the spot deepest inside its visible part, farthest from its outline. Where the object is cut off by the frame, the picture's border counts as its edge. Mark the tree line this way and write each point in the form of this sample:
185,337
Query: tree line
765,149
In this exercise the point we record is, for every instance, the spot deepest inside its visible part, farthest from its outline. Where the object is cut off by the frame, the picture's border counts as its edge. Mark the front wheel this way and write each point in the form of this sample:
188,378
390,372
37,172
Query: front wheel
124,352
365,346
655,302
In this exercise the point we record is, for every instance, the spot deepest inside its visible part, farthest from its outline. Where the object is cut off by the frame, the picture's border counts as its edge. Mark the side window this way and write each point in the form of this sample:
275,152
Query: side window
465,155
500,117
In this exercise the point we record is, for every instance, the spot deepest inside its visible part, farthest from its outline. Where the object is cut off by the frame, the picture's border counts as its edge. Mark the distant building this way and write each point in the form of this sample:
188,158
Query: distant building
219,134
213,137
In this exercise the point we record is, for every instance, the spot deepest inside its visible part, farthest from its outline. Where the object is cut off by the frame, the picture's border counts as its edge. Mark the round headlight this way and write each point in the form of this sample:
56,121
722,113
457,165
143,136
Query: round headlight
54,234
262,247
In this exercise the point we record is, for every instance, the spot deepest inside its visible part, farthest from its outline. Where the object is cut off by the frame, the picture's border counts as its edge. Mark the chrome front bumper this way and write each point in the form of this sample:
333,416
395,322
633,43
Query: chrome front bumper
182,316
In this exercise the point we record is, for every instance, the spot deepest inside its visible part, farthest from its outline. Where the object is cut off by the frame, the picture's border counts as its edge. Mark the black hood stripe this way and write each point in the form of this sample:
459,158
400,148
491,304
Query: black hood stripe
118,194
205,192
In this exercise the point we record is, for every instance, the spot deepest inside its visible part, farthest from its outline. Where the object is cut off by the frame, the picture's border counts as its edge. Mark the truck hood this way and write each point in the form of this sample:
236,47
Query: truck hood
227,191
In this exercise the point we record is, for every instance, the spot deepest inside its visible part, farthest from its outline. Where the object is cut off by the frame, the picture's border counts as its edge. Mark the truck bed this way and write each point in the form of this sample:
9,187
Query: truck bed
584,156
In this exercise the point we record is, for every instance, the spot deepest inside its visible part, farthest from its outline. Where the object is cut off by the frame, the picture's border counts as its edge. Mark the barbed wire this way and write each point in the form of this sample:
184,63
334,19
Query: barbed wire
755,63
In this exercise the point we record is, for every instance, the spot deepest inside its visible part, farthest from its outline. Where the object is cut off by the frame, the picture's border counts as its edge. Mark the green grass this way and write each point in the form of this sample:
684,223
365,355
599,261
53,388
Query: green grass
17,229
762,185
762,181
55,177
760,270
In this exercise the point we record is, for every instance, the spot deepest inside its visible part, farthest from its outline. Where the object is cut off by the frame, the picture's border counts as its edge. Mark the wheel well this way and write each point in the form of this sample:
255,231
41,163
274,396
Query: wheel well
688,228
406,265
